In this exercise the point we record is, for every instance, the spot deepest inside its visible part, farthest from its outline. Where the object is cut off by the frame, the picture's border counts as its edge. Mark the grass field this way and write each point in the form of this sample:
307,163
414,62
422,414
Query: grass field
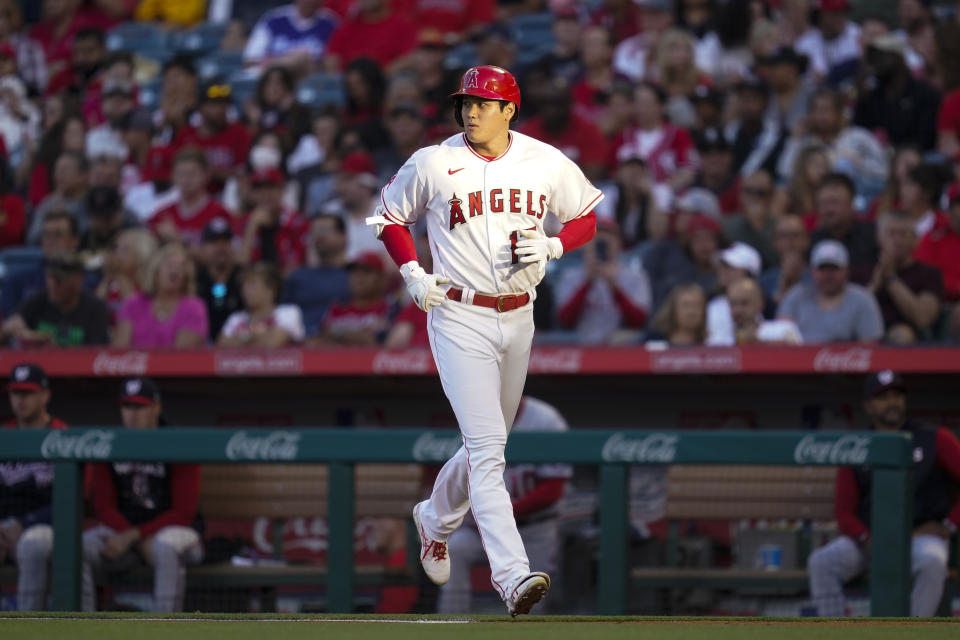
338,627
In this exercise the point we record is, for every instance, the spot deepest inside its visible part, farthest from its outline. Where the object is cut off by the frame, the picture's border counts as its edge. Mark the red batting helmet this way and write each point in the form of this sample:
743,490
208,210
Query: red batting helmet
488,82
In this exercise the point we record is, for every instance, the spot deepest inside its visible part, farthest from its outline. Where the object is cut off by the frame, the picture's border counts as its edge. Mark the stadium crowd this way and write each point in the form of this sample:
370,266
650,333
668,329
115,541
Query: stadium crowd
178,173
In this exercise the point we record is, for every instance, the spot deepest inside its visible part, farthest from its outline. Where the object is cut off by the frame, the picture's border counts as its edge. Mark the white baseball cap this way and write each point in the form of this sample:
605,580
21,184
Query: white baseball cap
699,200
829,252
742,256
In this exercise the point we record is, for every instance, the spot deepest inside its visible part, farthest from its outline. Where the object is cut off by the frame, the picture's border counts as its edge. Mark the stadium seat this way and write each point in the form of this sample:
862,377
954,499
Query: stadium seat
13,259
461,57
533,36
220,63
150,93
202,39
137,37
243,87
321,89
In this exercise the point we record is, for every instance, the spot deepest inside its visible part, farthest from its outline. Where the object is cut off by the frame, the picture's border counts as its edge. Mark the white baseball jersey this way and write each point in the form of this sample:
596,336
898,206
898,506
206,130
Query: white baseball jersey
476,206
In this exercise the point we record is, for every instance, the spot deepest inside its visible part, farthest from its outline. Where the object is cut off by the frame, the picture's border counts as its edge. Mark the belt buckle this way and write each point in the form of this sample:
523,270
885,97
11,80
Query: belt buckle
504,298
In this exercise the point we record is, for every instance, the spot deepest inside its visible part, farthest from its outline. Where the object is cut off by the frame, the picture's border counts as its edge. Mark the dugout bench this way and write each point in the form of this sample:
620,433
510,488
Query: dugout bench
798,495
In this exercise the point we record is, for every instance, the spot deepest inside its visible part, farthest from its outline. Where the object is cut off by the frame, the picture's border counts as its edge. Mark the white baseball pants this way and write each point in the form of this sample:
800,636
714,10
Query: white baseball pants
841,560
33,567
482,358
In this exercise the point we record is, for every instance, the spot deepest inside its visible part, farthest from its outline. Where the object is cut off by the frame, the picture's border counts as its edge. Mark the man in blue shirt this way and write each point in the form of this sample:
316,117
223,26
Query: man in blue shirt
294,35
314,288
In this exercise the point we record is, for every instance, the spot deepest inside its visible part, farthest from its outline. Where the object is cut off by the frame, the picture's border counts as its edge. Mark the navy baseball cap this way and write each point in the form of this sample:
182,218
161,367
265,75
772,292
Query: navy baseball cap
142,391
877,383
27,376
217,229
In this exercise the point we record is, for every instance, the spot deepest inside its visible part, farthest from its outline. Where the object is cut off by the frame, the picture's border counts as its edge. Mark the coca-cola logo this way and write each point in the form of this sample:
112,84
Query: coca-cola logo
432,448
659,448
847,450
279,445
856,359
686,360
556,361
415,361
241,364
95,444
130,363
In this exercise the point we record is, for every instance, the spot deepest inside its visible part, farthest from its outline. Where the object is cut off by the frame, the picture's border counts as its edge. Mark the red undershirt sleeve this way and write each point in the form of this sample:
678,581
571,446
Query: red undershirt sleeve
541,497
578,232
570,312
846,504
399,243
948,459
105,499
633,315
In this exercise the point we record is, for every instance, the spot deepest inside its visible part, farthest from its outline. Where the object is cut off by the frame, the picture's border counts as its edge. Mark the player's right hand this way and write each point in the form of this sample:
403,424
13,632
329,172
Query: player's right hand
423,287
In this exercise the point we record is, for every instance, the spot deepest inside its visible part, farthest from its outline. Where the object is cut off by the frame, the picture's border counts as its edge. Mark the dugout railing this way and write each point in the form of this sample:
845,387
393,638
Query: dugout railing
888,456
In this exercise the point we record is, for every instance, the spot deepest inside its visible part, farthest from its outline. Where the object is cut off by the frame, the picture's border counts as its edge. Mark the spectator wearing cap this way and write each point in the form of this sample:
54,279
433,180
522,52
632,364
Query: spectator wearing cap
689,255
708,104
755,225
920,196
564,60
850,149
145,511
790,88
558,124
735,263
124,268
262,323
607,298
909,293
716,172
837,220
27,54
667,149
376,30
638,206
167,314
26,491
106,219
64,314
224,142
407,128
185,219
272,232
364,319
941,249
176,14
295,35
323,281
357,192
899,108
632,56
936,512
749,325
70,172
833,45
218,274
59,232
791,241
757,142
832,309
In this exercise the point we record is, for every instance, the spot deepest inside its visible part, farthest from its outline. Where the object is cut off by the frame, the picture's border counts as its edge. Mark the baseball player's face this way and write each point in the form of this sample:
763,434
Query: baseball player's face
140,416
27,405
483,120
888,409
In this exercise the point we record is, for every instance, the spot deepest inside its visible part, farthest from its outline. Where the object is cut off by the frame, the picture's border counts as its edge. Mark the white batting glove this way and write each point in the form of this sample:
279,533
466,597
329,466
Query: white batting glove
422,286
536,248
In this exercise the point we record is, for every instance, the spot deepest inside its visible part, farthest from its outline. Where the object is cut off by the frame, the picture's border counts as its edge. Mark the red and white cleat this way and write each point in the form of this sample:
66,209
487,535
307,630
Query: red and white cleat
433,553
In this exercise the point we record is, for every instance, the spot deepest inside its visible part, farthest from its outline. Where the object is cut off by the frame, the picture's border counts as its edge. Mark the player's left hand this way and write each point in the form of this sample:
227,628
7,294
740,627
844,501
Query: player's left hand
536,248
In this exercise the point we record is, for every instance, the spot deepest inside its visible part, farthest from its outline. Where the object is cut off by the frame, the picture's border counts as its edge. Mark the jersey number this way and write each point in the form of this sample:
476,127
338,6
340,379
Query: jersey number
514,239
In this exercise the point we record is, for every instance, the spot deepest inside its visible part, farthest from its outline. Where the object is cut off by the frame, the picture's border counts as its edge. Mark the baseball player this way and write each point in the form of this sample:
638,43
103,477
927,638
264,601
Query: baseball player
535,491
936,455
26,534
484,194
146,511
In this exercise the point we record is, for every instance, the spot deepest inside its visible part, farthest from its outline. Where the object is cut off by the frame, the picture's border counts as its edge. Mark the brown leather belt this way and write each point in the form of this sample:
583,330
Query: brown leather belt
506,302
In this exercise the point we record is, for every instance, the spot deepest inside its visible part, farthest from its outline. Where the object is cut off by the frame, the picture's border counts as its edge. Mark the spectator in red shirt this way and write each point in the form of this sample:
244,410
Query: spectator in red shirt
621,18
948,125
597,82
62,21
146,511
376,31
364,319
13,217
941,248
87,54
666,148
185,219
455,19
273,232
225,143
556,123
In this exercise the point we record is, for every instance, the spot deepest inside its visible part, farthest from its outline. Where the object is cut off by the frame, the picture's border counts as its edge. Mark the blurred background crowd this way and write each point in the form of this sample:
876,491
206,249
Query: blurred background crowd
177,173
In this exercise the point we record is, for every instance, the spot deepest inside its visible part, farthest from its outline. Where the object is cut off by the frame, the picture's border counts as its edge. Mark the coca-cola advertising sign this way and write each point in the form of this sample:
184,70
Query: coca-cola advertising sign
245,363
417,361
130,363
657,448
279,445
854,359
95,444
846,450
556,361
433,448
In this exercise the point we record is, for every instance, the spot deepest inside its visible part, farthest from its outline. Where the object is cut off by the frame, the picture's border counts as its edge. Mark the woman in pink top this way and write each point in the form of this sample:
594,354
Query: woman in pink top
166,314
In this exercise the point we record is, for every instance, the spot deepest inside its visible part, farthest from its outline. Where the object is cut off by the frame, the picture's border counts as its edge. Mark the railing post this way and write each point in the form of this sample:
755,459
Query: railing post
67,513
890,527
612,578
340,504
